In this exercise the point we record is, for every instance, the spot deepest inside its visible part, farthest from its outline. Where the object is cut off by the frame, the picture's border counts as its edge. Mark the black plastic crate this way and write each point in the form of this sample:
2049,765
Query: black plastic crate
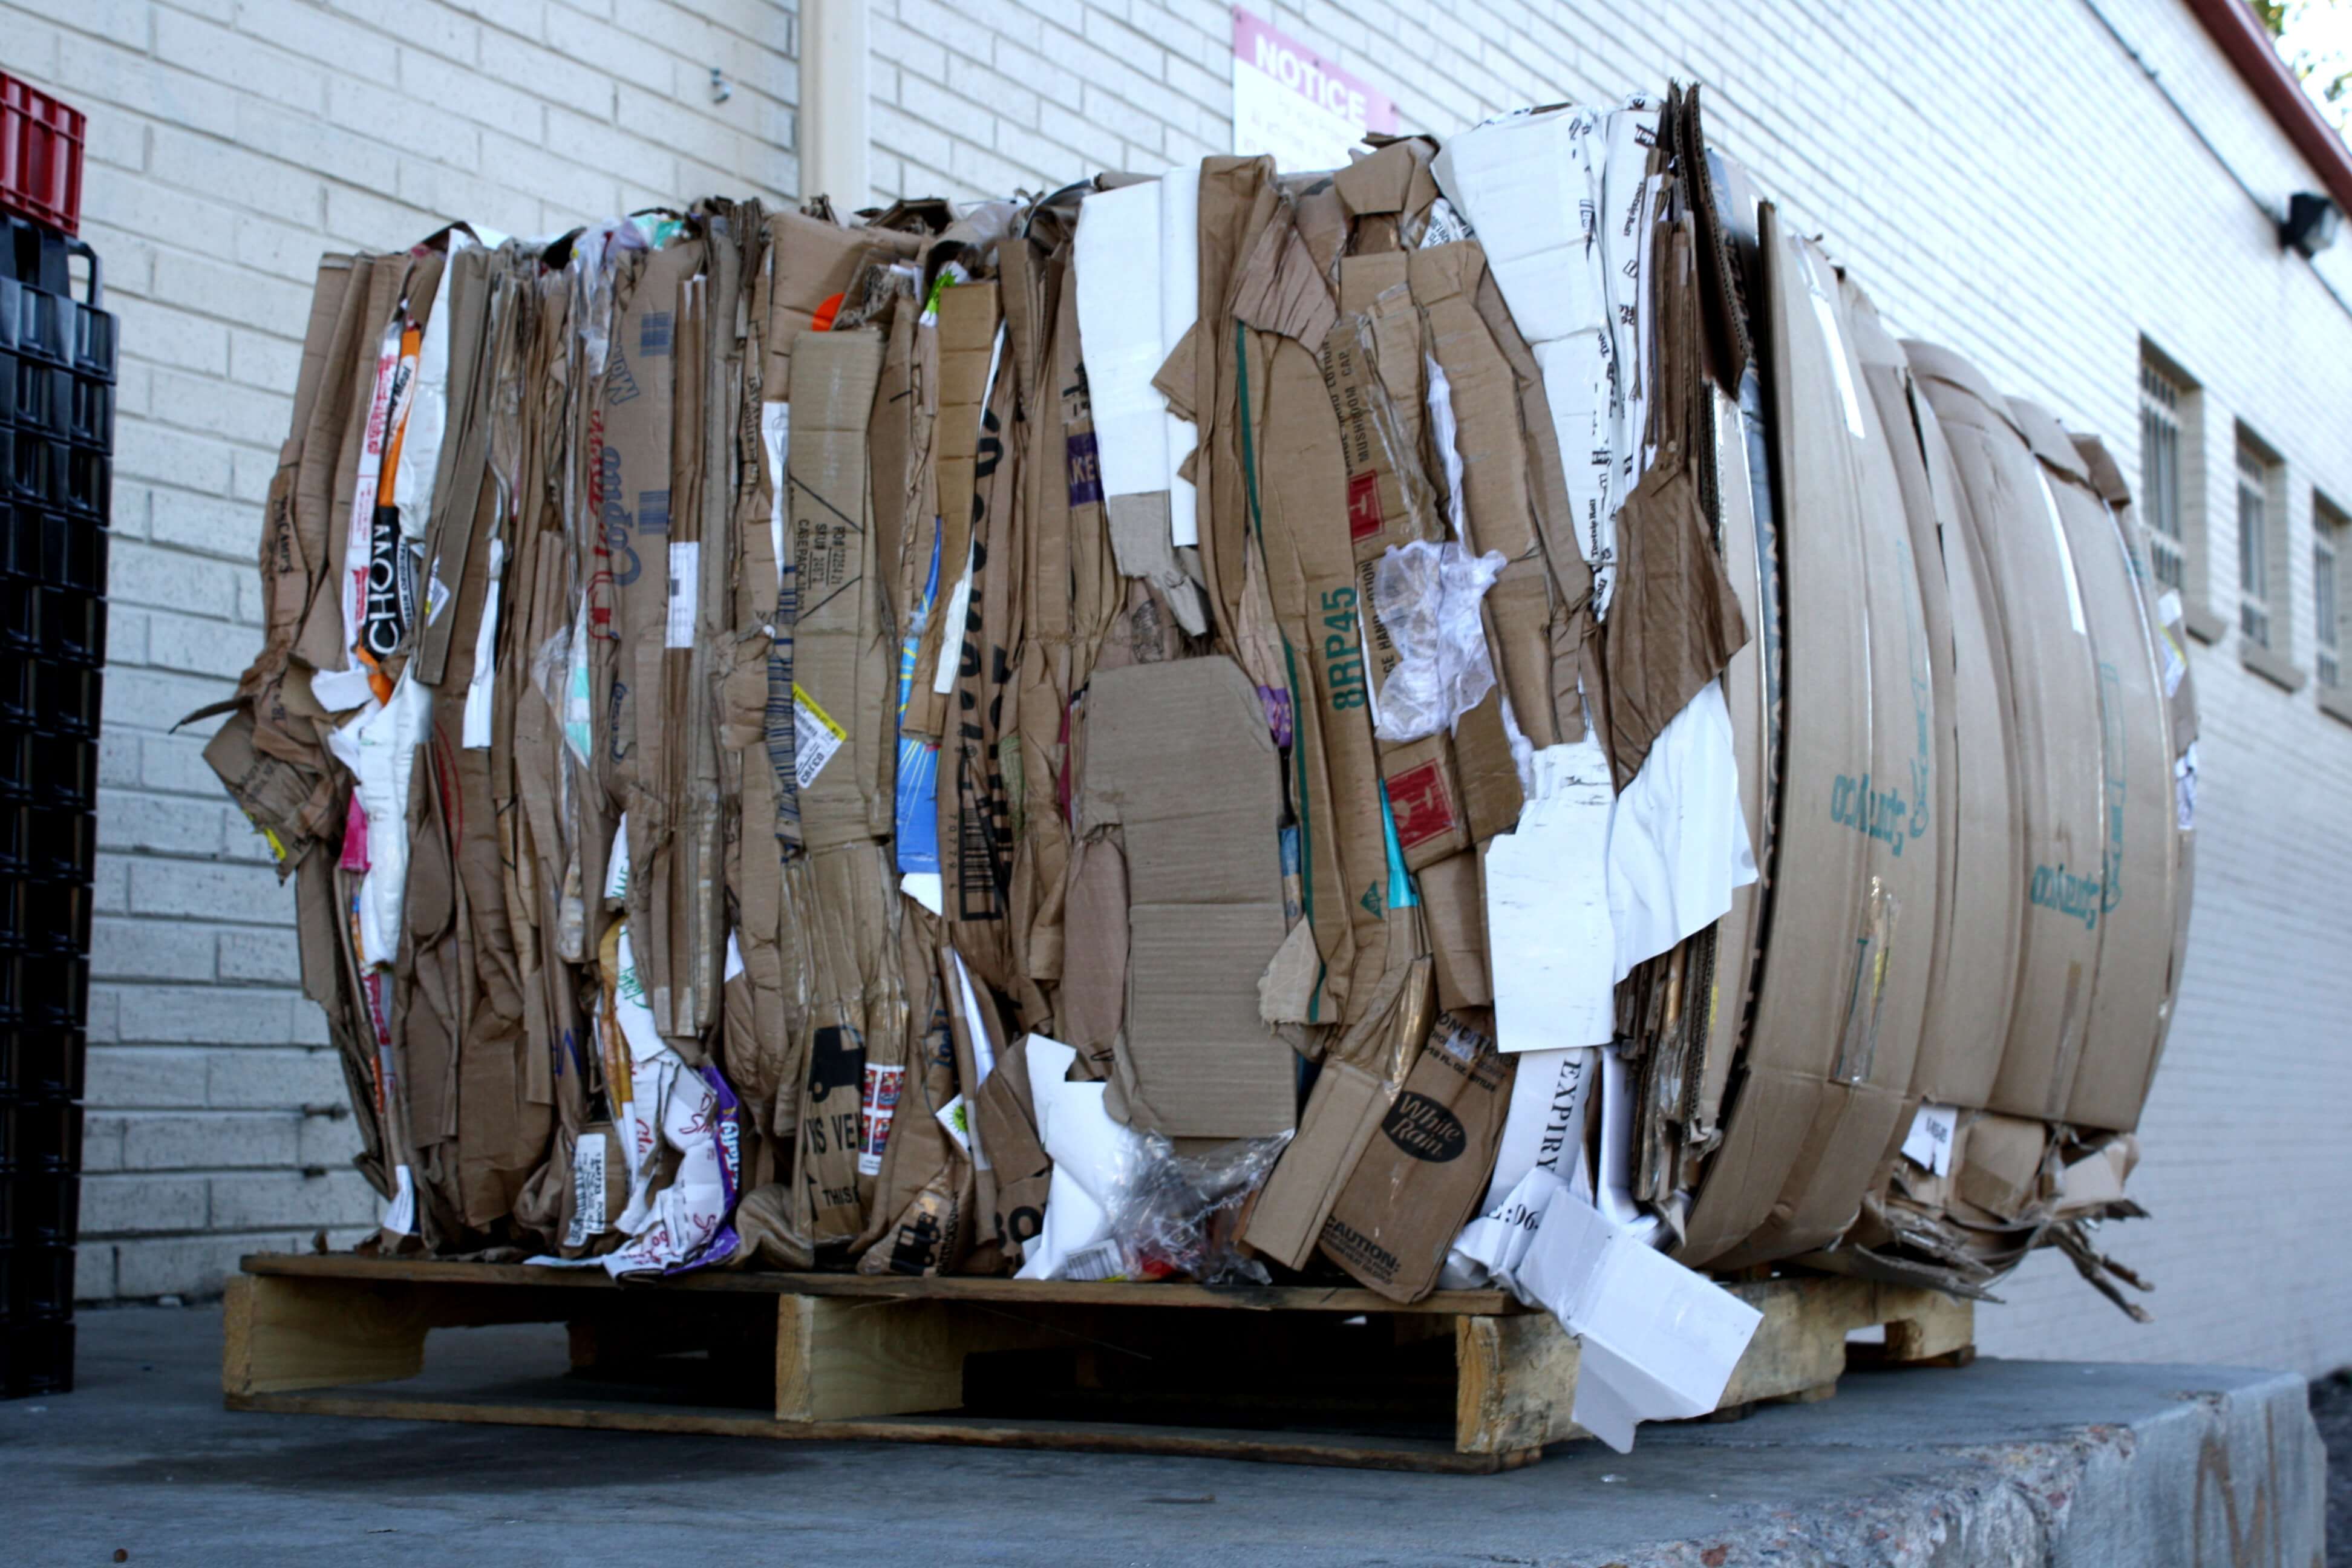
38,469
40,916
44,989
37,1358
40,1208
54,549
39,315
63,624
38,695
40,767
42,1064
43,1136
42,399
49,845
43,1282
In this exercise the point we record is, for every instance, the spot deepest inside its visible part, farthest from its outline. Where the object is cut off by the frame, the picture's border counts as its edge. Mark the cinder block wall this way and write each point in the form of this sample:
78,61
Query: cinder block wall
2003,175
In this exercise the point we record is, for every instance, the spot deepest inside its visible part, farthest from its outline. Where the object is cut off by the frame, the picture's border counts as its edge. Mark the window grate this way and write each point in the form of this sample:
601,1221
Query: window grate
2326,613
2253,546
2160,474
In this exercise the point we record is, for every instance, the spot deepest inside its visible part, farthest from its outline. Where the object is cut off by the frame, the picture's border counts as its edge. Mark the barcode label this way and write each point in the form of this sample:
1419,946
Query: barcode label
654,332
587,1190
652,512
685,589
1099,1261
815,738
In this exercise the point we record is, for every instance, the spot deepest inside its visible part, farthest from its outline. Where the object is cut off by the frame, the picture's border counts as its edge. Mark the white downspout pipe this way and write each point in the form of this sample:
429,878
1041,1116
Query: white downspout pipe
833,75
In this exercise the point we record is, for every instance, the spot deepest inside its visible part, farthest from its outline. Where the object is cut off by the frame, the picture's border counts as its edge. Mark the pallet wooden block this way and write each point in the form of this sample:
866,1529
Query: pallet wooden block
1465,1380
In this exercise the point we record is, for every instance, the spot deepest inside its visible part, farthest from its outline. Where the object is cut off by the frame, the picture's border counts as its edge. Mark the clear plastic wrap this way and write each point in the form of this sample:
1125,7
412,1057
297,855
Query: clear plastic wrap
1427,597
1180,1215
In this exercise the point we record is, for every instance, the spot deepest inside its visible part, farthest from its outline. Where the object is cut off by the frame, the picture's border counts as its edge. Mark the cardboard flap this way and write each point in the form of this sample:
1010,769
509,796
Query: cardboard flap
1937,364
1395,179
1281,289
2048,439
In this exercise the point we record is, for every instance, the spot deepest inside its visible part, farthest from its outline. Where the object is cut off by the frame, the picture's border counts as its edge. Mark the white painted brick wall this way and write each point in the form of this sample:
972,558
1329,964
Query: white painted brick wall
231,142
2001,174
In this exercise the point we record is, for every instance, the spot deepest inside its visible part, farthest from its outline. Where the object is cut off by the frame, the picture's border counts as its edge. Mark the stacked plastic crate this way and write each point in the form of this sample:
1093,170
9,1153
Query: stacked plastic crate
57,440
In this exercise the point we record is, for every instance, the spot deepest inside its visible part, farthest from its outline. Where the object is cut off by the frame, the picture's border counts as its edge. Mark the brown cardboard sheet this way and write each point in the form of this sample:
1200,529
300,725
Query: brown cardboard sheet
1179,757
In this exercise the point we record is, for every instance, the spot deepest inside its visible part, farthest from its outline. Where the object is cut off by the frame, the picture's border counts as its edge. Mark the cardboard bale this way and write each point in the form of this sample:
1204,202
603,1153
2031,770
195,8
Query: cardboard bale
1973,970
2126,1003
2053,678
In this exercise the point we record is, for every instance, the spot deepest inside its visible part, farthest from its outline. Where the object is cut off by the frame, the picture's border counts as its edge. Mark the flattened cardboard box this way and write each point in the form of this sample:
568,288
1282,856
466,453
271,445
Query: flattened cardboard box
1422,1175
1179,756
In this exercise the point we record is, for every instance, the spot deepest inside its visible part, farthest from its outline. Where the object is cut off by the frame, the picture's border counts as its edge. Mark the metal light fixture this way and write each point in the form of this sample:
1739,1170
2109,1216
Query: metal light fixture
2311,222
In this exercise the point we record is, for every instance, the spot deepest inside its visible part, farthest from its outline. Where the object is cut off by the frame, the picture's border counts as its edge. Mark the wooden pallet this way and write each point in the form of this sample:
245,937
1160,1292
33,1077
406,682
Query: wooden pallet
1463,1381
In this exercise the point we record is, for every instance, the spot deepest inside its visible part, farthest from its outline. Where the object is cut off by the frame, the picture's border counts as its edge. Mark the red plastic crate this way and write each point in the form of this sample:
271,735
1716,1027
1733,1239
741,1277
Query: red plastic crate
40,156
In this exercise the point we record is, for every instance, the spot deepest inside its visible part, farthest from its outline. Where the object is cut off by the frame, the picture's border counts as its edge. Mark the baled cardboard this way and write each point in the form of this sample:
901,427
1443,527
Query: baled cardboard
1973,971
2135,898
2038,608
1179,758
2170,638
1828,1061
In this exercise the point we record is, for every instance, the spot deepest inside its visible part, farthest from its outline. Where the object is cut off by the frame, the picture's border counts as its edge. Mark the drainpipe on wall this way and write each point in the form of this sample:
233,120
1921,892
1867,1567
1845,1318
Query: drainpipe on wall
833,138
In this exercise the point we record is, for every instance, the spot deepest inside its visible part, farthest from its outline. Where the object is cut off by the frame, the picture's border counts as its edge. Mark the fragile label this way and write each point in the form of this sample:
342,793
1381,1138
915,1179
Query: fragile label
1417,799
1364,505
1929,1143
815,738
587,1190
685,587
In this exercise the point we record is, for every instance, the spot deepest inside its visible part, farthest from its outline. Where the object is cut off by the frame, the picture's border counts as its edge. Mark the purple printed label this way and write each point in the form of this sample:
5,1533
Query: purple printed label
1086,470
1277,712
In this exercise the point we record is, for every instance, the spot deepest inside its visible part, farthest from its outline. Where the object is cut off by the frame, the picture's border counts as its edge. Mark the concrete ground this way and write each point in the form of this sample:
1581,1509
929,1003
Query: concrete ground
2014,1462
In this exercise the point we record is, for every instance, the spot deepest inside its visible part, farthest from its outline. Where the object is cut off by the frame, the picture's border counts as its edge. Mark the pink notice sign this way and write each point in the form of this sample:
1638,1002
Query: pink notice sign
1292,102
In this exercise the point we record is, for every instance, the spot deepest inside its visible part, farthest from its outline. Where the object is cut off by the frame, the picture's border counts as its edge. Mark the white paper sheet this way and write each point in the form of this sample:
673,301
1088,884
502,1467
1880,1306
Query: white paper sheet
1678,842
1658,1341
1551,945
481,687
1928,1144
380,748
1117,258
1179,307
